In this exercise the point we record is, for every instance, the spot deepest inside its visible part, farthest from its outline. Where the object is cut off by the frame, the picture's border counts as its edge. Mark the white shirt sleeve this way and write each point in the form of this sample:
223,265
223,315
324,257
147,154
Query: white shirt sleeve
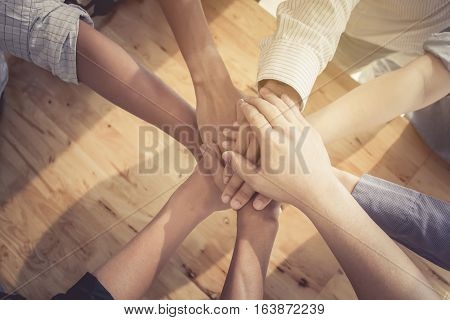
305,41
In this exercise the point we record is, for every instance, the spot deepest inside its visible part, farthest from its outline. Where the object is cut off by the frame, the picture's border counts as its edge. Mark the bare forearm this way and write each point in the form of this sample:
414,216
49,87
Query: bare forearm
251,255
190,27
129,274
372,104
215,93
110,71
374,264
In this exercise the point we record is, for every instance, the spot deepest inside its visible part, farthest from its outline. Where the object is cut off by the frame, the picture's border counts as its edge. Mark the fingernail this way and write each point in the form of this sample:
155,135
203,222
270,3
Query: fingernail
258,204
225,156
226,198
226,131
226,180
225,144
235,204
264,90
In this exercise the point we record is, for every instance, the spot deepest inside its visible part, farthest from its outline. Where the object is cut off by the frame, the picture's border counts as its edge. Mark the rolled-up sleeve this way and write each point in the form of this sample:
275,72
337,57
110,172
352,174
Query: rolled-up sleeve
44,32
305,41
419,222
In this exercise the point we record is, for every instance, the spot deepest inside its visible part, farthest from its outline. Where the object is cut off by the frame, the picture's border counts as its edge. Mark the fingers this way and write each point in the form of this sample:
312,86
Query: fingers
245,192
253,154
233,185
231,133
242,196
294,107
239,114
240,145
256,119
261,202
211,163
246,170
293,104
236,192
227,173
272,114
286,110
243,139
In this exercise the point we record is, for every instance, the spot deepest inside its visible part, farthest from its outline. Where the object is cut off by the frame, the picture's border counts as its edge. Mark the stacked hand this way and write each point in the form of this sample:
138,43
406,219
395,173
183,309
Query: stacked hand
243,142
294,165
216,109
210,171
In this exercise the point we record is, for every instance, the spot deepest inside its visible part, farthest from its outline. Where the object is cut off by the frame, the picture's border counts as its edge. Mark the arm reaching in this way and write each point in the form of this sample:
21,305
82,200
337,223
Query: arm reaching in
216,94
131,271
295,168
416,220
214,90
415,86
306,38
110,71
256,231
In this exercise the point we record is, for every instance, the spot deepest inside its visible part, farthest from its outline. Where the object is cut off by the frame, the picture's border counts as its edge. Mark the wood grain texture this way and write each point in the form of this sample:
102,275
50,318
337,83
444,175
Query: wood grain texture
71,194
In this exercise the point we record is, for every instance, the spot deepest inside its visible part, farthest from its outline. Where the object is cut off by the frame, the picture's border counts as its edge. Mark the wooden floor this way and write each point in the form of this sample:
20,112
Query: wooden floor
71,196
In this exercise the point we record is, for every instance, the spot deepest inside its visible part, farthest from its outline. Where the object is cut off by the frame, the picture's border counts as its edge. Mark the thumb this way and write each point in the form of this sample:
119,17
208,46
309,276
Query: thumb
244,168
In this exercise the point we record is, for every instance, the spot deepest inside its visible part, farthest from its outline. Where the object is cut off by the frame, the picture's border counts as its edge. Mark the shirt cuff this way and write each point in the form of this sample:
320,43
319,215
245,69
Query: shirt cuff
289,62
438,44
53,39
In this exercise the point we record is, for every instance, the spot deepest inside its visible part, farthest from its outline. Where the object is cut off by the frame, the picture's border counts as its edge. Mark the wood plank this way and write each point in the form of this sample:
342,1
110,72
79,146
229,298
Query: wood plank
69,171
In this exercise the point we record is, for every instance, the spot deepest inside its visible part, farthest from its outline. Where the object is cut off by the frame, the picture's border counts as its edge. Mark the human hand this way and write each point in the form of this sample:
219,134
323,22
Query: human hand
237,192
209,173
295,166
216,108
280,88
239,139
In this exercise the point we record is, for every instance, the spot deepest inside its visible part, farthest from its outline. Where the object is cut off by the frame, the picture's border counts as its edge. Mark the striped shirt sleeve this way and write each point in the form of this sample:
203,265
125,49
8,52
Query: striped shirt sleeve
305,41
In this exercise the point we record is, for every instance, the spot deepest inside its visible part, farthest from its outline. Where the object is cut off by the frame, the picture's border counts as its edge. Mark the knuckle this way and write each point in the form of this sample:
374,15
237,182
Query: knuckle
252,100
253,117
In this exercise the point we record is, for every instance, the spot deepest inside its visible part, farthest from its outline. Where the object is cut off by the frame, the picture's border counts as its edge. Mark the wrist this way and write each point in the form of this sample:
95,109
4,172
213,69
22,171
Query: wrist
207,67
323,199
256,223
280,88
204,192
194,197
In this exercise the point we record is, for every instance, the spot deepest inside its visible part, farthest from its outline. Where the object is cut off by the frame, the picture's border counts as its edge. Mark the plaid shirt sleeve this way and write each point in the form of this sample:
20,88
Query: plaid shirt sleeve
44,32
